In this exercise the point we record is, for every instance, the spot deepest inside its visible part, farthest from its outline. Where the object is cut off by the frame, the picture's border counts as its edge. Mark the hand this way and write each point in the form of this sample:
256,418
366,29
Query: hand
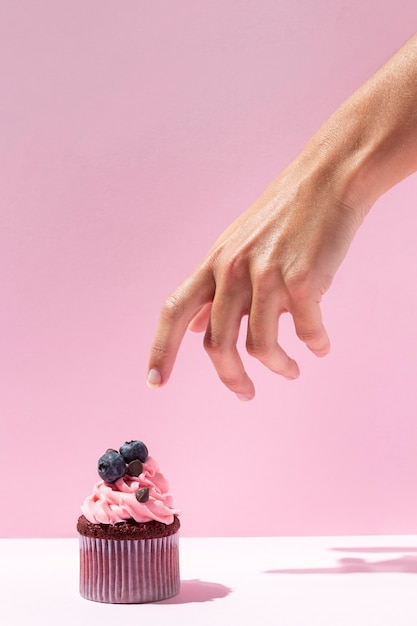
282,253
278,256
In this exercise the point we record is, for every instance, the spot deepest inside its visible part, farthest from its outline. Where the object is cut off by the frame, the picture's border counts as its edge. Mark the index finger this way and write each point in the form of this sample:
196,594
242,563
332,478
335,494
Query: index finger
177,312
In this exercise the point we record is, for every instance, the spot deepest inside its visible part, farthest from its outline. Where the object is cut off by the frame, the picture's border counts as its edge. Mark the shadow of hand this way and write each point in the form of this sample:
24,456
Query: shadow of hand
406,564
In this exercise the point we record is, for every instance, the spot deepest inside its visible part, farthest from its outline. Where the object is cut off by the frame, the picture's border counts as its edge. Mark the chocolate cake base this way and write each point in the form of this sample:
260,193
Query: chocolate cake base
130,529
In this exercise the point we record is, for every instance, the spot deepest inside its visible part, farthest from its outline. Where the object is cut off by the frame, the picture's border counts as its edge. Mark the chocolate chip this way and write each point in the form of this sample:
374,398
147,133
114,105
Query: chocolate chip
142,495
135,468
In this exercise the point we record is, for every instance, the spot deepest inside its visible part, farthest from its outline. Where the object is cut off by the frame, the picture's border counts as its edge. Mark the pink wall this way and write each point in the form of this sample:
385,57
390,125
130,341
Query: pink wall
132,133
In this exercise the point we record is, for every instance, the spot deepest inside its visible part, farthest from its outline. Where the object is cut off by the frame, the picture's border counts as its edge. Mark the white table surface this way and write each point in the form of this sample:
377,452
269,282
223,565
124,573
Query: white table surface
325,581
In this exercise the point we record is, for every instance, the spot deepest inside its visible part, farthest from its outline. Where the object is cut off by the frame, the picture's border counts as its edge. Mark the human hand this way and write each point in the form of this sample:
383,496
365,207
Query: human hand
282,253
279,256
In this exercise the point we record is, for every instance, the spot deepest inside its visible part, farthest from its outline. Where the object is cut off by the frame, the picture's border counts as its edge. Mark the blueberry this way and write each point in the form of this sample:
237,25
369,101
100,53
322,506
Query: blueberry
132,450
111,466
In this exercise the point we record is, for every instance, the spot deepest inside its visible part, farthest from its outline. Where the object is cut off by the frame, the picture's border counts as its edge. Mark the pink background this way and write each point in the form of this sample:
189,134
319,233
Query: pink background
132,133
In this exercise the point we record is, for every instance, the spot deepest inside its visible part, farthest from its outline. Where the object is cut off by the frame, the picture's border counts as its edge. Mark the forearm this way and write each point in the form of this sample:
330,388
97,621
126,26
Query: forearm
371,140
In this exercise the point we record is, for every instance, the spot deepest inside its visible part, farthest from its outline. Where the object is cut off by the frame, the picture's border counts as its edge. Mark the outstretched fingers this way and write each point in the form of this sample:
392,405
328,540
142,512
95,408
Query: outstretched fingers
199,304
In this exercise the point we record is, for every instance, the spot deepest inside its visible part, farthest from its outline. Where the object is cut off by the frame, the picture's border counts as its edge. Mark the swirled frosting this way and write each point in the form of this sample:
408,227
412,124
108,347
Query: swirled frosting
117,502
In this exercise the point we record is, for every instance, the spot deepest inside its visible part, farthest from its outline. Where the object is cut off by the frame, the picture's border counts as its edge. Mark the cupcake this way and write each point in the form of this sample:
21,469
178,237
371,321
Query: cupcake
128,531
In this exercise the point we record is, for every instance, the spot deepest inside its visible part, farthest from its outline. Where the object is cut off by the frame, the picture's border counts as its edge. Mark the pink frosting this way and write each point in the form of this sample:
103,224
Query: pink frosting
116,502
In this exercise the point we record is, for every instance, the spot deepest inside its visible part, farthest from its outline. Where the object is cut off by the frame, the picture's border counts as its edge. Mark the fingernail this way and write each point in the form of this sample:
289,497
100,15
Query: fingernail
243,397
154,378
293,376
295,370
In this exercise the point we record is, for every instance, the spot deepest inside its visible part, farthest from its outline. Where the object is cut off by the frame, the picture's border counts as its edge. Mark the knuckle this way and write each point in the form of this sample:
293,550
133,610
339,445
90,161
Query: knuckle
231,381
264,280
173,308
309,335
306,284
315,339
159,351
213,343
300,285
232,271
256,347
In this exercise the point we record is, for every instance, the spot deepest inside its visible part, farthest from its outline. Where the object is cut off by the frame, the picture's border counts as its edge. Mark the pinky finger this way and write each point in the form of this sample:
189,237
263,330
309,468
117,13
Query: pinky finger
310,329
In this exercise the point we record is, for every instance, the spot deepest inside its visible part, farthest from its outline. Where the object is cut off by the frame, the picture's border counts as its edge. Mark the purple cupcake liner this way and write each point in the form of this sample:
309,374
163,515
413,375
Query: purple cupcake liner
129,571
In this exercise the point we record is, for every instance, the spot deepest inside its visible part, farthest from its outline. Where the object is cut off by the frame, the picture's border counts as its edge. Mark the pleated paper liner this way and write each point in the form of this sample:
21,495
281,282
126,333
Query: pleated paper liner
127,571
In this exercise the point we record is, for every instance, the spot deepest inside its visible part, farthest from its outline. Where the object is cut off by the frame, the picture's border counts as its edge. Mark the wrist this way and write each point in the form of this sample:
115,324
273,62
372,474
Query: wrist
339,157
